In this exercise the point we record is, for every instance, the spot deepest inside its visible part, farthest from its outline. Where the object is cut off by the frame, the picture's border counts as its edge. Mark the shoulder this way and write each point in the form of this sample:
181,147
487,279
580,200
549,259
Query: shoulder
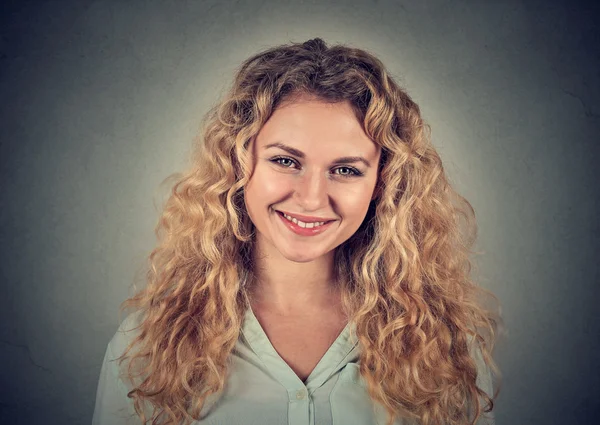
483,379
113,406
127,331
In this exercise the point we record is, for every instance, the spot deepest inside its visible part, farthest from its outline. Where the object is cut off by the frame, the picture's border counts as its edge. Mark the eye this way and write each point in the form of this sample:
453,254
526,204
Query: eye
287,162
283,161
348,172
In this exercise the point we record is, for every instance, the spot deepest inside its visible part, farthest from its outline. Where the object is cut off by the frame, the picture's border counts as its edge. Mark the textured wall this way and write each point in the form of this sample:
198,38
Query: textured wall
101,101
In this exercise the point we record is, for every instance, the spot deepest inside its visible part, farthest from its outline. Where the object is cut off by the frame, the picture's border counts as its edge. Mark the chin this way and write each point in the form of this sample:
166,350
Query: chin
301,257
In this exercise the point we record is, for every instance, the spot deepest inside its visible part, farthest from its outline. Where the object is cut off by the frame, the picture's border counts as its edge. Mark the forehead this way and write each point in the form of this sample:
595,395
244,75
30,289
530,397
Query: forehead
312,124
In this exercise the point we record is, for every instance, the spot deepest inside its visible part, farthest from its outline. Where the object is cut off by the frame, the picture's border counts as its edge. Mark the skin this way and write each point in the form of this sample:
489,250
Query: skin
295,273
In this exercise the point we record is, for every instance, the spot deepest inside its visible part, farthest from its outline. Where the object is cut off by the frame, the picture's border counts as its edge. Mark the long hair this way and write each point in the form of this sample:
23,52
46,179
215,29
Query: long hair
404,275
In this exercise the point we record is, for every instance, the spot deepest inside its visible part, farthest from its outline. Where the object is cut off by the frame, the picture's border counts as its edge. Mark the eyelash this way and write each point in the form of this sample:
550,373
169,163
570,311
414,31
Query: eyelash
356,172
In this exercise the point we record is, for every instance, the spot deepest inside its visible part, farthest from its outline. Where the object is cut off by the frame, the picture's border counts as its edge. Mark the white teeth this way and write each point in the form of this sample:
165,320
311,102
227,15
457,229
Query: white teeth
303,224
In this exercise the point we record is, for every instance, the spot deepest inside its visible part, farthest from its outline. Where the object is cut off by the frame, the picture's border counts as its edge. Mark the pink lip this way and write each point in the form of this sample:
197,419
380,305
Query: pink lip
303,231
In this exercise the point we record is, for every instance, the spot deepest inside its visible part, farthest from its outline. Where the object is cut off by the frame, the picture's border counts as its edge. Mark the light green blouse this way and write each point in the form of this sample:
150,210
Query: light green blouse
263,390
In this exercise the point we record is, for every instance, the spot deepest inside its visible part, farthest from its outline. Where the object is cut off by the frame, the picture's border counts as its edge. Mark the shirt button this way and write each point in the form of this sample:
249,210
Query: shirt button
300,394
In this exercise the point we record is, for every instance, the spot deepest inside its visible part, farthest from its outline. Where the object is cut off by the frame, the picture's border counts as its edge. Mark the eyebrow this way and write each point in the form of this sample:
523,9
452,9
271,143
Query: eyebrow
300,154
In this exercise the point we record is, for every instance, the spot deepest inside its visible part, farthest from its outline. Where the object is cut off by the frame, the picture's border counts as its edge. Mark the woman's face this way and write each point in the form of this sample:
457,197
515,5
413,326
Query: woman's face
311,161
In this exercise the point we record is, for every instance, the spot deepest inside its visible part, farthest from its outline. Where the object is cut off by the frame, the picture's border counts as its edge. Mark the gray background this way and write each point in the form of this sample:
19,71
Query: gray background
101,101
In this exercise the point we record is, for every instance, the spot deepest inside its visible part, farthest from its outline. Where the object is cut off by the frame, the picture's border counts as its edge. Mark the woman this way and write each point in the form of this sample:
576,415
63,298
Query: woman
311,266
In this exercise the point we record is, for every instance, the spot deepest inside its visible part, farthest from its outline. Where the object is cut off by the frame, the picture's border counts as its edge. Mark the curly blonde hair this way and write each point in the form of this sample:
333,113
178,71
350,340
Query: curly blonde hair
405,274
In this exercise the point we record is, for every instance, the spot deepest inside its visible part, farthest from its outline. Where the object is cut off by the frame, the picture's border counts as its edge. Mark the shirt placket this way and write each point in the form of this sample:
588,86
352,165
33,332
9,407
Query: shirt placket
300,405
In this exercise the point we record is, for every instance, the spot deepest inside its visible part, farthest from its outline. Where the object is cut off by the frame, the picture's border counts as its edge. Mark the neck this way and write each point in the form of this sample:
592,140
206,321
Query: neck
290,288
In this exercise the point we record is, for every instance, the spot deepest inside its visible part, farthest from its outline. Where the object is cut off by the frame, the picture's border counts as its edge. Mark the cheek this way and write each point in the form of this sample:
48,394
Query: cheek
356,203
266,187
275,185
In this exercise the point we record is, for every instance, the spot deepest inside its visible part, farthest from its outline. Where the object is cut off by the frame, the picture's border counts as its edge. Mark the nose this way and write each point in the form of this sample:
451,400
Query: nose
312,191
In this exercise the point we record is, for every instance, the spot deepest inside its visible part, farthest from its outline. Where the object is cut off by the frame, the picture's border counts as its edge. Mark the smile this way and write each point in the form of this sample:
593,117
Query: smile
303,228
303,224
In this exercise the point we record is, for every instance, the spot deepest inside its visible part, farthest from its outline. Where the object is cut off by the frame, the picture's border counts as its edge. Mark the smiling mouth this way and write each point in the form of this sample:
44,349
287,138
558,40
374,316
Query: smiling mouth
308,225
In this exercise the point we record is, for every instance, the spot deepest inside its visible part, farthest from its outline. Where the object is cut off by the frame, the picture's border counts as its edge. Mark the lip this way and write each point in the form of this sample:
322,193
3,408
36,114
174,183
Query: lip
306,218
303,231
